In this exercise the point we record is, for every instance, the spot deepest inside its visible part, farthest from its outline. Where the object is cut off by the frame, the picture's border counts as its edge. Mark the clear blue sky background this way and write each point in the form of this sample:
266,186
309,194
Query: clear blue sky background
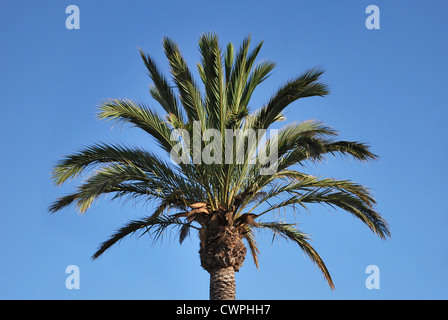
388,87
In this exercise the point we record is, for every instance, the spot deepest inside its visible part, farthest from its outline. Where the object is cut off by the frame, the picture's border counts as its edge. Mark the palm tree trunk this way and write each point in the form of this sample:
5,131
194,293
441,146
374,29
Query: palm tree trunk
222,284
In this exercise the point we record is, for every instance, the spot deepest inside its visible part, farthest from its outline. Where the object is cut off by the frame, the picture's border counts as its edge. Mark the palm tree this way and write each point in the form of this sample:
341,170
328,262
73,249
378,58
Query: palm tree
224,201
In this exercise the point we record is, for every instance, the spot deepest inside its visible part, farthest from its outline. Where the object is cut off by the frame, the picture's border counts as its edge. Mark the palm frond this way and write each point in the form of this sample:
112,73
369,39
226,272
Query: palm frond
213,78
73,165
62,202
299,182
343,199
106,178
357,150
161,91
238,76
140,116
259,74
290,232
189,92
249,236
154,225
305,85
228,60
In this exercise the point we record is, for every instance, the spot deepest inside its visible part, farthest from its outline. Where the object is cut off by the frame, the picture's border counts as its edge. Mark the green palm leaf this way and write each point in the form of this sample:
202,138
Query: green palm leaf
305,85
161,90
140,116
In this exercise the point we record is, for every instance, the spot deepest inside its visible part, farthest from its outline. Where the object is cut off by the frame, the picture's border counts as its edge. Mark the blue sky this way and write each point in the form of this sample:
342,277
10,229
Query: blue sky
388,87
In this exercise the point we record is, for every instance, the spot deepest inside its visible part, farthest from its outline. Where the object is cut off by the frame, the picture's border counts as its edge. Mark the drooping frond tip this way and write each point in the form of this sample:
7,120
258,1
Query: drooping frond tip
290,232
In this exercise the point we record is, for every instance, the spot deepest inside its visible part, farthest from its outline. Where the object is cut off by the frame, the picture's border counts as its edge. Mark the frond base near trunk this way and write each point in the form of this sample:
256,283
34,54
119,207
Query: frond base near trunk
221,247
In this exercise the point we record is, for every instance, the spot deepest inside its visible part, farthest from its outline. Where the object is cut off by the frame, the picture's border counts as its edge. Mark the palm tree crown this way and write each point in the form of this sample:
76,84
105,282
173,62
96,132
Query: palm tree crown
220,200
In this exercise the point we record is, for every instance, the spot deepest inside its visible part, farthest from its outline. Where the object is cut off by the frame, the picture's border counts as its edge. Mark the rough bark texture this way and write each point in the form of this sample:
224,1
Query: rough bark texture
222,284
222,253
